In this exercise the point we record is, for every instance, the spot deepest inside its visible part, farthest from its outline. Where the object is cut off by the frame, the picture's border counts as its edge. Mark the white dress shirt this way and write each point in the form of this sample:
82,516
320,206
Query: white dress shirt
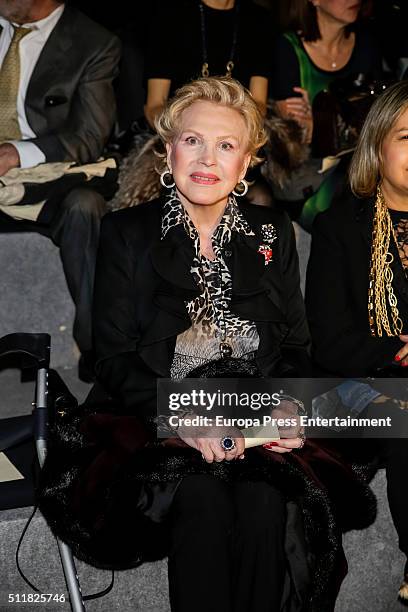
30,48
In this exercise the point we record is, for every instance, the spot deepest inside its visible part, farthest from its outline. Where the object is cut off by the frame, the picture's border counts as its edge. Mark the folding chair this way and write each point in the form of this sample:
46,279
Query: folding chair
33,351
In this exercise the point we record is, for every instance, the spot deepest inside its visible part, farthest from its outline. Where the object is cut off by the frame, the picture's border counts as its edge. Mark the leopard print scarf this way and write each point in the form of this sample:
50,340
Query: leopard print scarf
210,313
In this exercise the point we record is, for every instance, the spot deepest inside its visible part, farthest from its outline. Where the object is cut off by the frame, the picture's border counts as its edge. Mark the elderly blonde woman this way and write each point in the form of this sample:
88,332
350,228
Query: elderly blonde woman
196,280
357,287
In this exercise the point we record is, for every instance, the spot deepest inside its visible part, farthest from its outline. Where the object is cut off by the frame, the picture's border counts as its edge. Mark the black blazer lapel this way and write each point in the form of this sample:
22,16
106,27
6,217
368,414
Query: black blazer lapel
364,213
255,288
171,259
169,264
256,296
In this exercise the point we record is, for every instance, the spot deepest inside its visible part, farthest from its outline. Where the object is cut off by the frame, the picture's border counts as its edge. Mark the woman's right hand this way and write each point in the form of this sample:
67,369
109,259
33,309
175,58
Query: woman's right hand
293,435
284,445
402,356
207,440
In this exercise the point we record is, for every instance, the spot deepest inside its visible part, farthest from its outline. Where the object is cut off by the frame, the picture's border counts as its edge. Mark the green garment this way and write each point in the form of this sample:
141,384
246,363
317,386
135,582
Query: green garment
311,78
314,80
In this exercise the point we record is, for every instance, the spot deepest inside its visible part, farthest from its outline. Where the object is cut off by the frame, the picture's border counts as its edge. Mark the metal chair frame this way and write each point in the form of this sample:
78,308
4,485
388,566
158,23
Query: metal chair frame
34,351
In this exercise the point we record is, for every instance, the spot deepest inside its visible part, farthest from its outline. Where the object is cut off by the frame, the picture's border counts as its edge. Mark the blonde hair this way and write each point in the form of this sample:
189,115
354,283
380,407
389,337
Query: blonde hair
365,168
219,90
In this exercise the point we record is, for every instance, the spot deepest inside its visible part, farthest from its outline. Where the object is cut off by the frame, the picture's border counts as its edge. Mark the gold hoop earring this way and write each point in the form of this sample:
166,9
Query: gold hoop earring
244,189
163,182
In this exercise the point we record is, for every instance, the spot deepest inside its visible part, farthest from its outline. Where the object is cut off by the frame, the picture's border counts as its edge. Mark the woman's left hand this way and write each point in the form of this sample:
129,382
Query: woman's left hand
207,440
299,109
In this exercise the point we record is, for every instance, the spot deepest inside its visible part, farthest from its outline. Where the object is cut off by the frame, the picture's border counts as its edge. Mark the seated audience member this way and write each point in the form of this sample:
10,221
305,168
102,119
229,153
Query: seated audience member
357,287
129,25
194,38
57,105
196,284
389,27
324,43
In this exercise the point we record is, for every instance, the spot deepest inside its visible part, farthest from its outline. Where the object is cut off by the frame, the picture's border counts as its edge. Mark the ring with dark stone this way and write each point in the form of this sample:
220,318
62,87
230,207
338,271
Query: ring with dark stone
227,443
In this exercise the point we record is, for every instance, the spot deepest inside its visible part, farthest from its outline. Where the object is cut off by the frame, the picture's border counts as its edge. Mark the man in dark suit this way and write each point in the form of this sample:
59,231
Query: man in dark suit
57,104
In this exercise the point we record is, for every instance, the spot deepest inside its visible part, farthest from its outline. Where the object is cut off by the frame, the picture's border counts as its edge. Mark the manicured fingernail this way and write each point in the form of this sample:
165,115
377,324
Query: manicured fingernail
397,358
270,444
242,457
404,364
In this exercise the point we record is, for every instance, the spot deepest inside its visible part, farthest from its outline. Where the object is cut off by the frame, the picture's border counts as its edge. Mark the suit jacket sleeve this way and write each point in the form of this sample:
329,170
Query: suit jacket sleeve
341,336
92,114
119,368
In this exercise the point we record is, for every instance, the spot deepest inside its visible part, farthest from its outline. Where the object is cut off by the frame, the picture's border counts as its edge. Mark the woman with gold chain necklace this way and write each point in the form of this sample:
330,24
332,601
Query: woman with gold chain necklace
357,285
194,38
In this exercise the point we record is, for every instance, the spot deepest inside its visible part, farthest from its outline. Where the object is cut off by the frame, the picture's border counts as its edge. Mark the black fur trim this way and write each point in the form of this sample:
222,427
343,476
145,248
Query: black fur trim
111,532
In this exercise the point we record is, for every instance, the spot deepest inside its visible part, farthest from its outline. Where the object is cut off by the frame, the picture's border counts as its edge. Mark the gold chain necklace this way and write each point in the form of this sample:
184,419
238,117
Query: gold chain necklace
380,289
205,72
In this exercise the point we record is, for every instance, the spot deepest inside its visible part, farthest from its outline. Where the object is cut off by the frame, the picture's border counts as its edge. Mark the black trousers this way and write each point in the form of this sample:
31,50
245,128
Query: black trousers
393,455
227,546
74,228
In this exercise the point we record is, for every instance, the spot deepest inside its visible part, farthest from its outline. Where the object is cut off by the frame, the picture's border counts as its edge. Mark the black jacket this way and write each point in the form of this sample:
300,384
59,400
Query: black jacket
142,283
92,483
70,102
337,294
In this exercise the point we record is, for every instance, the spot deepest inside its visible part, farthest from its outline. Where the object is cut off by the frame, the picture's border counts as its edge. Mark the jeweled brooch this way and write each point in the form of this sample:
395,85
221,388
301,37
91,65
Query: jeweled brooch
269,235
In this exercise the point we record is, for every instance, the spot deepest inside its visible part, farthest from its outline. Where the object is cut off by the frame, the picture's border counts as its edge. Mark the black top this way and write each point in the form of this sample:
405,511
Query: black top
400,223
176,49
285,70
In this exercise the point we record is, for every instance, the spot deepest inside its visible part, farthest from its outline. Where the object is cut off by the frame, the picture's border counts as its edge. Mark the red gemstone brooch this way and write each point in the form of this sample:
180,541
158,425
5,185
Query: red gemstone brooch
269,235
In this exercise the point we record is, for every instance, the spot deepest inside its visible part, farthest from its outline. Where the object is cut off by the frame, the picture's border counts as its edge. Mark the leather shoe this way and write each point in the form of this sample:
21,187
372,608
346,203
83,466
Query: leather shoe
86,367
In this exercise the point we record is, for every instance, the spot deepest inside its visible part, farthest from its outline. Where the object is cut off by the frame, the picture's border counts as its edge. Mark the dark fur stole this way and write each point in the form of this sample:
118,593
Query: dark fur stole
90,490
